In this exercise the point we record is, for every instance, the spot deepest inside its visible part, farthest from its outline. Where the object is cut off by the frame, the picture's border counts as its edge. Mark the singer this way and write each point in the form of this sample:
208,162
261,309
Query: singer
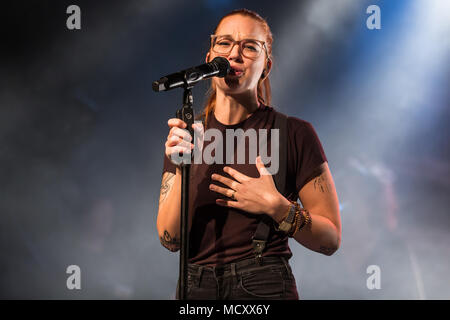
239,221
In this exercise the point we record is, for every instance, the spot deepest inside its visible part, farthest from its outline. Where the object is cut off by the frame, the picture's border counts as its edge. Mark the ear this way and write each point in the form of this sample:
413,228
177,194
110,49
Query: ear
268,67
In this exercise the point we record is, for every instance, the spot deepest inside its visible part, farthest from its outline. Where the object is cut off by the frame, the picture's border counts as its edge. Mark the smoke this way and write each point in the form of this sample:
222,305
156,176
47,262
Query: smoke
81,142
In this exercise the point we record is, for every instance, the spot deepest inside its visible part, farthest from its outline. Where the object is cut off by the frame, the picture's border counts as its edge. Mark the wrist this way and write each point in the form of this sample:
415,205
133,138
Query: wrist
281,209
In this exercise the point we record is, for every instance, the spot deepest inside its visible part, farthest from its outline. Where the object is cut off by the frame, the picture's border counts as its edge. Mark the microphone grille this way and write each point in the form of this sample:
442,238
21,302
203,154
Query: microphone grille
222,65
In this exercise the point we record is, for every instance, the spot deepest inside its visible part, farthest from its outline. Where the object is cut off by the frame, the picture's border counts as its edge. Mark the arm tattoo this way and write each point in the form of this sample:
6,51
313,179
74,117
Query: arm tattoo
326,250
166,185
321,184
173,244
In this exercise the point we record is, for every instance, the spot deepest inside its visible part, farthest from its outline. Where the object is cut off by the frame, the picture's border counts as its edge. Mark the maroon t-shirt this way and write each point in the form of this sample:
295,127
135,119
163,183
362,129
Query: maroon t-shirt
222,235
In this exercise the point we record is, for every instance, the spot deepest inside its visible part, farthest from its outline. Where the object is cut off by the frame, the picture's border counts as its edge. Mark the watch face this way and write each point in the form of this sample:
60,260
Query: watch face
291,216
284,226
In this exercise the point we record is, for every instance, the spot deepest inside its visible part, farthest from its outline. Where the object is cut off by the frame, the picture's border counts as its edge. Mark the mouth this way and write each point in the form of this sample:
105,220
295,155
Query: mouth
235,72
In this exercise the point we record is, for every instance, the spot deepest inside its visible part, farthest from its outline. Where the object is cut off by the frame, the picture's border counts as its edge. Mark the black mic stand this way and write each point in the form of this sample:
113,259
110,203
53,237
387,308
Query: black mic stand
187,79
186,113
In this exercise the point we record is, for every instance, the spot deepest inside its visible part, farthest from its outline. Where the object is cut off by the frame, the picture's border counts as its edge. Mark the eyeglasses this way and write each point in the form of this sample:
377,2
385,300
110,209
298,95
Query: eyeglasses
249,48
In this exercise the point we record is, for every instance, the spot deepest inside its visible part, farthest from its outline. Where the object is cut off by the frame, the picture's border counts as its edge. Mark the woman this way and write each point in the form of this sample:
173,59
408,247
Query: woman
229,201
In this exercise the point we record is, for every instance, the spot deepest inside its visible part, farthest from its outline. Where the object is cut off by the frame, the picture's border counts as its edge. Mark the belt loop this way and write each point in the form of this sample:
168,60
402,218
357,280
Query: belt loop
199,275
200,271
213,269
286,264
233,269
233,273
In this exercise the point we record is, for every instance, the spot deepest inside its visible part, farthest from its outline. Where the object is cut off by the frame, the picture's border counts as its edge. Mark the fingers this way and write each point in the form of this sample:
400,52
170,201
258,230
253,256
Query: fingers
176,145
197,126
178,136
175,122
229,203
225,191
182,133
236,174
177,141
176,150
178,127
261,167
226,181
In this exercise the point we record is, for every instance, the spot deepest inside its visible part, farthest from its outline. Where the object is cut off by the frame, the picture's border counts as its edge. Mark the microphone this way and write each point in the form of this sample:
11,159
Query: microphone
219,67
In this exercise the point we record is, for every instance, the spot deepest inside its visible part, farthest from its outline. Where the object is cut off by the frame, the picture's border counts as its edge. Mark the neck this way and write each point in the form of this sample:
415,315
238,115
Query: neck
233,109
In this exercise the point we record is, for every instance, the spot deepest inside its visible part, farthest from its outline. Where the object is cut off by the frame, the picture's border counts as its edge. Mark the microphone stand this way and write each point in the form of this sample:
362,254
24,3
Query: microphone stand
187,79
186,113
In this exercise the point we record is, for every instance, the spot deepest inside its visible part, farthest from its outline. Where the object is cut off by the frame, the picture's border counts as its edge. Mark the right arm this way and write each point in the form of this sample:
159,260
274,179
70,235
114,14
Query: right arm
169,209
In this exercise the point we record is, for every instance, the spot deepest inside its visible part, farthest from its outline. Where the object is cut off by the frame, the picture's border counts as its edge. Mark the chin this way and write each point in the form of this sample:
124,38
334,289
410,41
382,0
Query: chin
232,85
234,82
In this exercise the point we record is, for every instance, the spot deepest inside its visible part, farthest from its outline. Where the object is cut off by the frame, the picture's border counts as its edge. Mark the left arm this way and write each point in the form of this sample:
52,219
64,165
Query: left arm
260,196
319,197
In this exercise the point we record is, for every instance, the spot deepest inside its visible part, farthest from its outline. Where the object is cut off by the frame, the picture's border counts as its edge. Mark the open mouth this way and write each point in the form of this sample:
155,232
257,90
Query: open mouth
235,72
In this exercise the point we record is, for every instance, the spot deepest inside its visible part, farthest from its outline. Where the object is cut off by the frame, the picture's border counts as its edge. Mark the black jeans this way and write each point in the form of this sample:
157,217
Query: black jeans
242,280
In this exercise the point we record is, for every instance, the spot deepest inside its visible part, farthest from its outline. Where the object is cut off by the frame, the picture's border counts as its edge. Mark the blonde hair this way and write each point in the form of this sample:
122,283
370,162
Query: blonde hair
263,90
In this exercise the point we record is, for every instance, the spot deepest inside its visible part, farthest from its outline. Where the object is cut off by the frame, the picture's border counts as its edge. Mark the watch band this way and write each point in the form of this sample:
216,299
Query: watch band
286,224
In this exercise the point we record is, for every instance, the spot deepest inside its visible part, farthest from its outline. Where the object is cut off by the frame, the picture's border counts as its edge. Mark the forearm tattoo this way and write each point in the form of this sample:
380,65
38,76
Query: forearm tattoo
171,243
166,185
321,184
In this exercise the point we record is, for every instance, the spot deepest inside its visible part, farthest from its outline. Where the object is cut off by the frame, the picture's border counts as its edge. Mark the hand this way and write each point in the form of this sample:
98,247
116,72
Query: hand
254,195
179,139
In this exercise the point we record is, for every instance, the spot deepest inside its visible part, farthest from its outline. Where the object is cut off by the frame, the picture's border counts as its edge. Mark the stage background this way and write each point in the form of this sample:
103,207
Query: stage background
82,140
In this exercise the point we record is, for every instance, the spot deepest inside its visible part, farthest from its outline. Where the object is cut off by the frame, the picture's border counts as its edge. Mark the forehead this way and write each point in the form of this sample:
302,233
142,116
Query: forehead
241,27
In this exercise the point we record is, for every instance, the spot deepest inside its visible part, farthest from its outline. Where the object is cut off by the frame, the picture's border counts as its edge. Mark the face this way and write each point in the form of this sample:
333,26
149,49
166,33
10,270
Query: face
240,27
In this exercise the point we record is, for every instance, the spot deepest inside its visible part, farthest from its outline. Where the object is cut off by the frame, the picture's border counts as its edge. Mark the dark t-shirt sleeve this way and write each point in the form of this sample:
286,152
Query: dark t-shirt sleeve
308,151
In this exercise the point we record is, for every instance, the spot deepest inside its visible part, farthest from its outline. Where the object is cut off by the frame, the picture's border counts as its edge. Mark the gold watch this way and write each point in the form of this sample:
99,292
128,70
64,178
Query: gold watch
287,223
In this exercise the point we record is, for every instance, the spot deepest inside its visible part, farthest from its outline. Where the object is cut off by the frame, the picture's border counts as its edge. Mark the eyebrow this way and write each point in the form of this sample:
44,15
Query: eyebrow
230,36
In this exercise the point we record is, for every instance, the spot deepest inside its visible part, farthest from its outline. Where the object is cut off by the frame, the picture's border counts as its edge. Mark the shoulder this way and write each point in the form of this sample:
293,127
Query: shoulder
295,124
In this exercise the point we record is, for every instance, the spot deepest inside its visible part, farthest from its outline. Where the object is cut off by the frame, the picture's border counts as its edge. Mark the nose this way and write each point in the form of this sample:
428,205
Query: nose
235,53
